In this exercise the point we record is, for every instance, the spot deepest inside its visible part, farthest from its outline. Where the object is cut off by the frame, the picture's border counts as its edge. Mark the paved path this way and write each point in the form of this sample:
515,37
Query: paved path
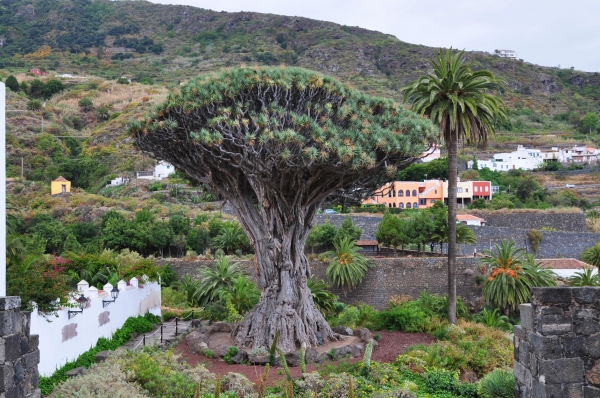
169,331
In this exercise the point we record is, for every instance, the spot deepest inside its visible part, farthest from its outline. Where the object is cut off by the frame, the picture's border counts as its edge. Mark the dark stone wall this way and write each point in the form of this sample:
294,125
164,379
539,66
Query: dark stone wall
563,243
19,353
554,244
557,345
574,222
387,278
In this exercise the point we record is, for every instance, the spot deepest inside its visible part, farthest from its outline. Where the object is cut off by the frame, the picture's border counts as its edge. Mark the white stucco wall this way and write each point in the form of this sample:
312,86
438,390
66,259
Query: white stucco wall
163,169
63,339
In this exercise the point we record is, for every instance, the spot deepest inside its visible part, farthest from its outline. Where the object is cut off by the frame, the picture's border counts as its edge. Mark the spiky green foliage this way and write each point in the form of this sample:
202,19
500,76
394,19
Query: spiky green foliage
499,383
591,255
493,319
348,267
321,295
287,116
213,280
513,274
587,277
243,294
461,102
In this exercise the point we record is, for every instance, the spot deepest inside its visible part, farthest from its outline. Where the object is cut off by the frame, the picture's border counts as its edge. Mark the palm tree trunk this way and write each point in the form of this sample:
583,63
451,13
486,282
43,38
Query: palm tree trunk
452,144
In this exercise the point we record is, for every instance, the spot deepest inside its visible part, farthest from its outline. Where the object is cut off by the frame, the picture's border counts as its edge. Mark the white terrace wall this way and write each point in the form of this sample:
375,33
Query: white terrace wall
63,339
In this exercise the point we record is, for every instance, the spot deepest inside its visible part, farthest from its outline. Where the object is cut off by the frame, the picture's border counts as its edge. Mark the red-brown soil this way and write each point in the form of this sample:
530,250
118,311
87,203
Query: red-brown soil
391,344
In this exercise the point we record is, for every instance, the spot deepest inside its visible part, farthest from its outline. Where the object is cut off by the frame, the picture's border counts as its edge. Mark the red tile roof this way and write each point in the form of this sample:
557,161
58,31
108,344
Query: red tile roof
563,263
366,243
465,217
61,178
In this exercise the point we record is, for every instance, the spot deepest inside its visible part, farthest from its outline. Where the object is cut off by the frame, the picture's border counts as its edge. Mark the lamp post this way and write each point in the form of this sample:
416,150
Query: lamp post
114,293
82,301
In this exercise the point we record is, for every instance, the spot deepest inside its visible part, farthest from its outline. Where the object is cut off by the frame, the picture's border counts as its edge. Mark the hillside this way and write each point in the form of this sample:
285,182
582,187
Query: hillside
157,46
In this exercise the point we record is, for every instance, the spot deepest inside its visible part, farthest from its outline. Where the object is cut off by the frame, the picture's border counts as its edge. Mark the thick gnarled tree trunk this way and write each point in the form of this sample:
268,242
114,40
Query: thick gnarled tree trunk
286,303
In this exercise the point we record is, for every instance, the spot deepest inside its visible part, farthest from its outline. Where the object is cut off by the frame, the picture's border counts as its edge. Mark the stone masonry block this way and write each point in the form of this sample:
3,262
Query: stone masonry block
10,303
12,347
2,350
25,322
14,392
555,324
545,347
551,295
34,342
586,295
527,316
522,374
32,359
591,392
573,346
591,346
34,394
7,377
519,331
563,370
574,390
10,322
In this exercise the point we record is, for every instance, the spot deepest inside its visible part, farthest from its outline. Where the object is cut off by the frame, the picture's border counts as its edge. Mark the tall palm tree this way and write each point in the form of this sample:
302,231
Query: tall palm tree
462,103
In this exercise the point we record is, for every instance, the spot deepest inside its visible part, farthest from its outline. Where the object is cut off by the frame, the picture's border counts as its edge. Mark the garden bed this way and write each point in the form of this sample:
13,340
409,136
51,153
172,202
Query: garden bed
391,344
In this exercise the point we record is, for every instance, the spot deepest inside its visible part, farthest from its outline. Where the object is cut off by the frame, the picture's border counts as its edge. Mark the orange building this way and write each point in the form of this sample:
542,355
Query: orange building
408,194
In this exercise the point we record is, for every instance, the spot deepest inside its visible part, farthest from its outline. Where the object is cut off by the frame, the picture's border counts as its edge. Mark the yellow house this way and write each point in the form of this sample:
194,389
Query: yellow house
60,185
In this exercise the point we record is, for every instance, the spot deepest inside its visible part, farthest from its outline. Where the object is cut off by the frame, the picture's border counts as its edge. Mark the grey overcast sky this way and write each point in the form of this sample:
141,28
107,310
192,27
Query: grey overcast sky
544,32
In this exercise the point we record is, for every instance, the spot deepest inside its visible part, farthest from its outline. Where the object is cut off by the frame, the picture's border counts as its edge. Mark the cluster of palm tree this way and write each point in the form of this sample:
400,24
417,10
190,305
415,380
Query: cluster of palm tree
225,282
511,274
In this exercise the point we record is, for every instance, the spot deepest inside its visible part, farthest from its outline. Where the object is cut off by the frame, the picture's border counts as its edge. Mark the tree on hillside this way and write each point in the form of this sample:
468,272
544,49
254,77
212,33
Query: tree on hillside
276,142
12,83
590,123
459,100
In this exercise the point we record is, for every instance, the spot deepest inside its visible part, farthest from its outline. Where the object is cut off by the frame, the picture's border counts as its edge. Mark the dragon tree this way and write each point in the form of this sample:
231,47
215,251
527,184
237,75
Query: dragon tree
276,143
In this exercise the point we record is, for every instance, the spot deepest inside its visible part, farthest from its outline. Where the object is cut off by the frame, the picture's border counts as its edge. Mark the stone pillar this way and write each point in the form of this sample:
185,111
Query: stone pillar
557,345
19,353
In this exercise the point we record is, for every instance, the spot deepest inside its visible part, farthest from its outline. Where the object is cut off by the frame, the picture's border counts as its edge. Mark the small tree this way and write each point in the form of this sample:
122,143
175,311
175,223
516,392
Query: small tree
34,105
590,123
348,230
12,83
86,104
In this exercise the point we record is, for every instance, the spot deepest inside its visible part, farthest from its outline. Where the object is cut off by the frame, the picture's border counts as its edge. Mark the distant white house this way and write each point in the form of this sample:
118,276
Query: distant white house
565,267
506,54
523,158
469,219
118,181
161,170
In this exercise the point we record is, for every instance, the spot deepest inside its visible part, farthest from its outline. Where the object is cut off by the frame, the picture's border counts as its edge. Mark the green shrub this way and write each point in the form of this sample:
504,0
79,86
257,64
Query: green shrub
443,381
407,317
231,352
498,383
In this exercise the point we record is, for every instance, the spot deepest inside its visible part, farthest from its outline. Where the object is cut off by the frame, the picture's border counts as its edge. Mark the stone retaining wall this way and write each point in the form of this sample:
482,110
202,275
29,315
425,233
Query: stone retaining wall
574,222
557,345
19,353
388,277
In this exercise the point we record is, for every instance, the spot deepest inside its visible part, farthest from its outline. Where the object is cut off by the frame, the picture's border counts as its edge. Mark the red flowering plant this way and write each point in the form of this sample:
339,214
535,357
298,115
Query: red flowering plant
41,281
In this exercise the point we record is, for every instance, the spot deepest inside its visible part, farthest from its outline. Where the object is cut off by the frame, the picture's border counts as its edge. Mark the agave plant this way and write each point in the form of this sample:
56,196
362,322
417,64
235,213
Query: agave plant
348,267
322,297
498,383
587,277
493,319
190,287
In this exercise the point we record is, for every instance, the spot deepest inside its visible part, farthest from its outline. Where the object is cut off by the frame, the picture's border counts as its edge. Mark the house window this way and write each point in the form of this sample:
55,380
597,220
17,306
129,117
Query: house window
407,192
415,205
414,192
401,205
393,205
475,188
390,205
459,189
436,191
422,201
168,167
467,190
63,187
486,189
432,201
394,194
389,194
408,205
400,193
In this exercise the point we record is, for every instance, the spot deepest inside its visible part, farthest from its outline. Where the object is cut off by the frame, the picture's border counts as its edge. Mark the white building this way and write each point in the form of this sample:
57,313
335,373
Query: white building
432,154
118,181
506,54
161,170
523,158
468,219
